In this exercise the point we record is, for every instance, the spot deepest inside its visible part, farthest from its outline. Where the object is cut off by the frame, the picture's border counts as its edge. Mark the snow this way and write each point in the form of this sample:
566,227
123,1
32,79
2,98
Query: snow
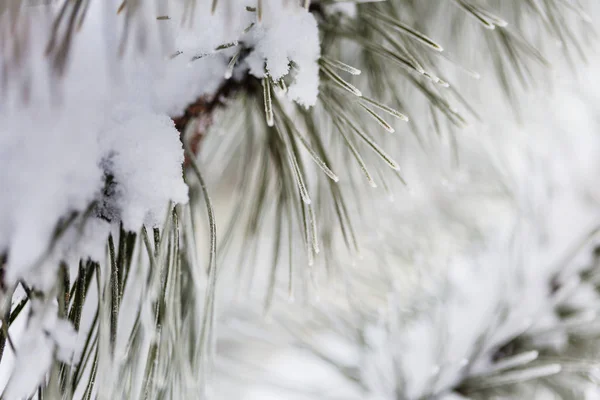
44,337
134,142
109,114
288,33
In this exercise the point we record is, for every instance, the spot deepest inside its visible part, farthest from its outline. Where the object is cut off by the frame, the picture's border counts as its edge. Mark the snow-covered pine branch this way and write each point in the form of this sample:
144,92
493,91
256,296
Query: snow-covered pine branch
120,120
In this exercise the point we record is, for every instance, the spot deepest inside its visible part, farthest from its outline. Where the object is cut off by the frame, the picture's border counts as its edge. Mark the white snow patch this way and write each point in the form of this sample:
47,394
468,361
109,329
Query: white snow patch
44,337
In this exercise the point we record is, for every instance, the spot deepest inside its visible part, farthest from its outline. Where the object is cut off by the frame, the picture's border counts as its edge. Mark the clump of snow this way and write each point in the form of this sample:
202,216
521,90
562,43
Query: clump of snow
45,338
287,35
144,157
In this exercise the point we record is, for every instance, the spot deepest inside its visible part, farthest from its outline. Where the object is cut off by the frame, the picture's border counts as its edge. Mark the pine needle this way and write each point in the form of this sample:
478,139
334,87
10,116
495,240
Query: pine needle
338,79
379,120
208,315
385,108
299,178
486,18
401,27
342,66
313,154
231,65
374,146
355,153
266,83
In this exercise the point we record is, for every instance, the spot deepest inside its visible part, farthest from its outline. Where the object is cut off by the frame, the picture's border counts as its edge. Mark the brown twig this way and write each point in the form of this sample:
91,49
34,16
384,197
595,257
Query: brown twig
201,112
